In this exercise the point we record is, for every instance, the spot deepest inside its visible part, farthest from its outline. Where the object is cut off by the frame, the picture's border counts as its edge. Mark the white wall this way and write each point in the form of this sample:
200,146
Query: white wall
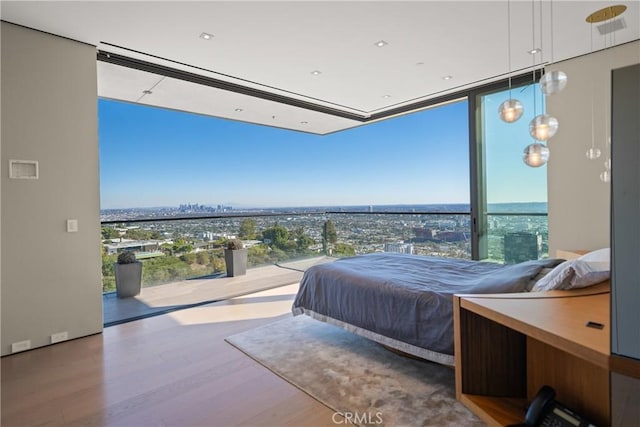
579,203
50,278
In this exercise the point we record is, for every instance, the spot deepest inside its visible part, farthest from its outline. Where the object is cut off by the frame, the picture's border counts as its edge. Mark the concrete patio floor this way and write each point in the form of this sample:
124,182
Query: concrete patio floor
155,300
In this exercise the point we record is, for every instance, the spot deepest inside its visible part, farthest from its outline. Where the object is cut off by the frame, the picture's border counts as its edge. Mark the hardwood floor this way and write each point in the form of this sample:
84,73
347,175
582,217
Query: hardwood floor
171,370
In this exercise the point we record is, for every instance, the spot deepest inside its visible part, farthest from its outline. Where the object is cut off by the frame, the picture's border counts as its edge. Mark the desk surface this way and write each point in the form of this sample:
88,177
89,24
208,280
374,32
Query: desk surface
559,322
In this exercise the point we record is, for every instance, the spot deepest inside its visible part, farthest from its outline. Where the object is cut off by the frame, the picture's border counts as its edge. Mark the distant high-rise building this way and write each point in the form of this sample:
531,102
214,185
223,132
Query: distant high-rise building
521,246
400,248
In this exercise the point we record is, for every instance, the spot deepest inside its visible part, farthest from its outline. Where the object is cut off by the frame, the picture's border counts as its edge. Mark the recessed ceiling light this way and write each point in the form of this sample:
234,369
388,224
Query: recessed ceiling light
386,96
206,36
239,110
419,63
381,43
147,92
534,51
447,77
316,72
303,122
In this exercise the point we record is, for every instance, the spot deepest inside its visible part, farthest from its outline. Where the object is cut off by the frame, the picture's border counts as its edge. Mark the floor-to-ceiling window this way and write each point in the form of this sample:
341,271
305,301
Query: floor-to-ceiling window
176,186
512,202
445,179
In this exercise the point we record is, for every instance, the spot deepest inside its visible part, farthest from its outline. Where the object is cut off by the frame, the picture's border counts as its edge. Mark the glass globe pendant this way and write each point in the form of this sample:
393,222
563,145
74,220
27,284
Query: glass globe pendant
553,82
605,176
536,155
543,127
510,110
593,153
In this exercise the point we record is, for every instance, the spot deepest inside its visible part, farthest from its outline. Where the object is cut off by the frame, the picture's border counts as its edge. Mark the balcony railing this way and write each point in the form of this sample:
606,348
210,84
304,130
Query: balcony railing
174,249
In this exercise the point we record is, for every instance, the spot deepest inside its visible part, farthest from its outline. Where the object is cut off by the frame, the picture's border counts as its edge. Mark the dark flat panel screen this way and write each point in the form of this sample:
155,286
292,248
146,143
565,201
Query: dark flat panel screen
625,215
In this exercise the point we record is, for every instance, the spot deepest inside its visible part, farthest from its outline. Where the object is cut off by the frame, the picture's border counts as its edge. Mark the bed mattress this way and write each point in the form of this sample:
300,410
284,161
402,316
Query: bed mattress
405,301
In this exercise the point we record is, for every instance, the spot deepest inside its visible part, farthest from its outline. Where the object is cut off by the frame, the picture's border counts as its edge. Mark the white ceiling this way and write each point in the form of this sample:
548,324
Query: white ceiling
275,46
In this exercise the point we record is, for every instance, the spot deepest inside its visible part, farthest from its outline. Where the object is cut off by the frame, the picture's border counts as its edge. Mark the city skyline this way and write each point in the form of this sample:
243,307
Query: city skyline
152,157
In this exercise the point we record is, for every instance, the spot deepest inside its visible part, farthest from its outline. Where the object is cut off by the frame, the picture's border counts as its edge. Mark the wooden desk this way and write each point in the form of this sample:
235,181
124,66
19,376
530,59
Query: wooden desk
508,346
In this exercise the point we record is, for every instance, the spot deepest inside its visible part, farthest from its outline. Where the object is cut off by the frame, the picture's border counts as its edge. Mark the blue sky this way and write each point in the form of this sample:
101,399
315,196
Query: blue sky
508,178
153,157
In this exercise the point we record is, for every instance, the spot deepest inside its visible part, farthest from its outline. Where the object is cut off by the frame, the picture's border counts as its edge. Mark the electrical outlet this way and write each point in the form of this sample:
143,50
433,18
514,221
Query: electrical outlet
17,347
60,336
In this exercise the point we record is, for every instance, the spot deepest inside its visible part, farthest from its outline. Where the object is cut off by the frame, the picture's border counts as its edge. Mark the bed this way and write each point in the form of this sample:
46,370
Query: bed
406,301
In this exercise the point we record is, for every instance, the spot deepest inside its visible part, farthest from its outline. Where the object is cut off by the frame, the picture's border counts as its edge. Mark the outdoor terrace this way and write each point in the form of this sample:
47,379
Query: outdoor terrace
160,299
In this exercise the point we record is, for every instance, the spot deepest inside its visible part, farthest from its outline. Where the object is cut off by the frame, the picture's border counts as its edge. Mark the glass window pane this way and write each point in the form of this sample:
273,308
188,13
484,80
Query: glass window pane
514,206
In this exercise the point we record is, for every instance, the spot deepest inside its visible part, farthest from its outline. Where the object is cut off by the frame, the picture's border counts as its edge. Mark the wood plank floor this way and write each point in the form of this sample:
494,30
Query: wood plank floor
171,370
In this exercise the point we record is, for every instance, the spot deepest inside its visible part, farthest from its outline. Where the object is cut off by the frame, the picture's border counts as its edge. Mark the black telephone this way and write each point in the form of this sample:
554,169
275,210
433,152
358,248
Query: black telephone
544,411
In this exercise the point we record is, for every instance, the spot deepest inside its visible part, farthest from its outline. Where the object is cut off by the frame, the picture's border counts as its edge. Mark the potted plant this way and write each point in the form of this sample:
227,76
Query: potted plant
235,257
128,271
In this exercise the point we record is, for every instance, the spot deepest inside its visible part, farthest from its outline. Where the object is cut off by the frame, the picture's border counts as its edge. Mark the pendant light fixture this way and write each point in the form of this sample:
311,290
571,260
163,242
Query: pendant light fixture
543,126
554,81
605,175
536,155
593,152
606,14
511,109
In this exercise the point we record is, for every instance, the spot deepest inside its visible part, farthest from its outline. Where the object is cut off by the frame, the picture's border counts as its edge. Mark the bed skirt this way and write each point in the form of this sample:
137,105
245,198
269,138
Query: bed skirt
423,353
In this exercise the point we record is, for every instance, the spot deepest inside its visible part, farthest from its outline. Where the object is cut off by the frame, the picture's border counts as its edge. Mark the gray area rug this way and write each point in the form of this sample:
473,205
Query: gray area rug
353,375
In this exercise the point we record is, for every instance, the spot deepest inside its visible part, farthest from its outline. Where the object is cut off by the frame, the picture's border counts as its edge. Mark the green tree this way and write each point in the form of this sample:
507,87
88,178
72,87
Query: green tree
303,242
278,236
278,255
108,274
218,263
203,258
342,249
109,233
138,234
164,269
329,235
301,239
181,245
167,249
248,229
189,258
258,255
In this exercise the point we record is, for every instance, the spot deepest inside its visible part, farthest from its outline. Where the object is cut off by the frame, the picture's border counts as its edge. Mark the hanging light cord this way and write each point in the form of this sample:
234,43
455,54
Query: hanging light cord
533,30
533,46
607,133
593,116
541,41
551,25
509,42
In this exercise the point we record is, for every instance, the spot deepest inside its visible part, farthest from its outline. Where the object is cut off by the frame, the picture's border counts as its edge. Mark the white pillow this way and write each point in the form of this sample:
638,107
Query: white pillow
587,270
601,255
556,278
